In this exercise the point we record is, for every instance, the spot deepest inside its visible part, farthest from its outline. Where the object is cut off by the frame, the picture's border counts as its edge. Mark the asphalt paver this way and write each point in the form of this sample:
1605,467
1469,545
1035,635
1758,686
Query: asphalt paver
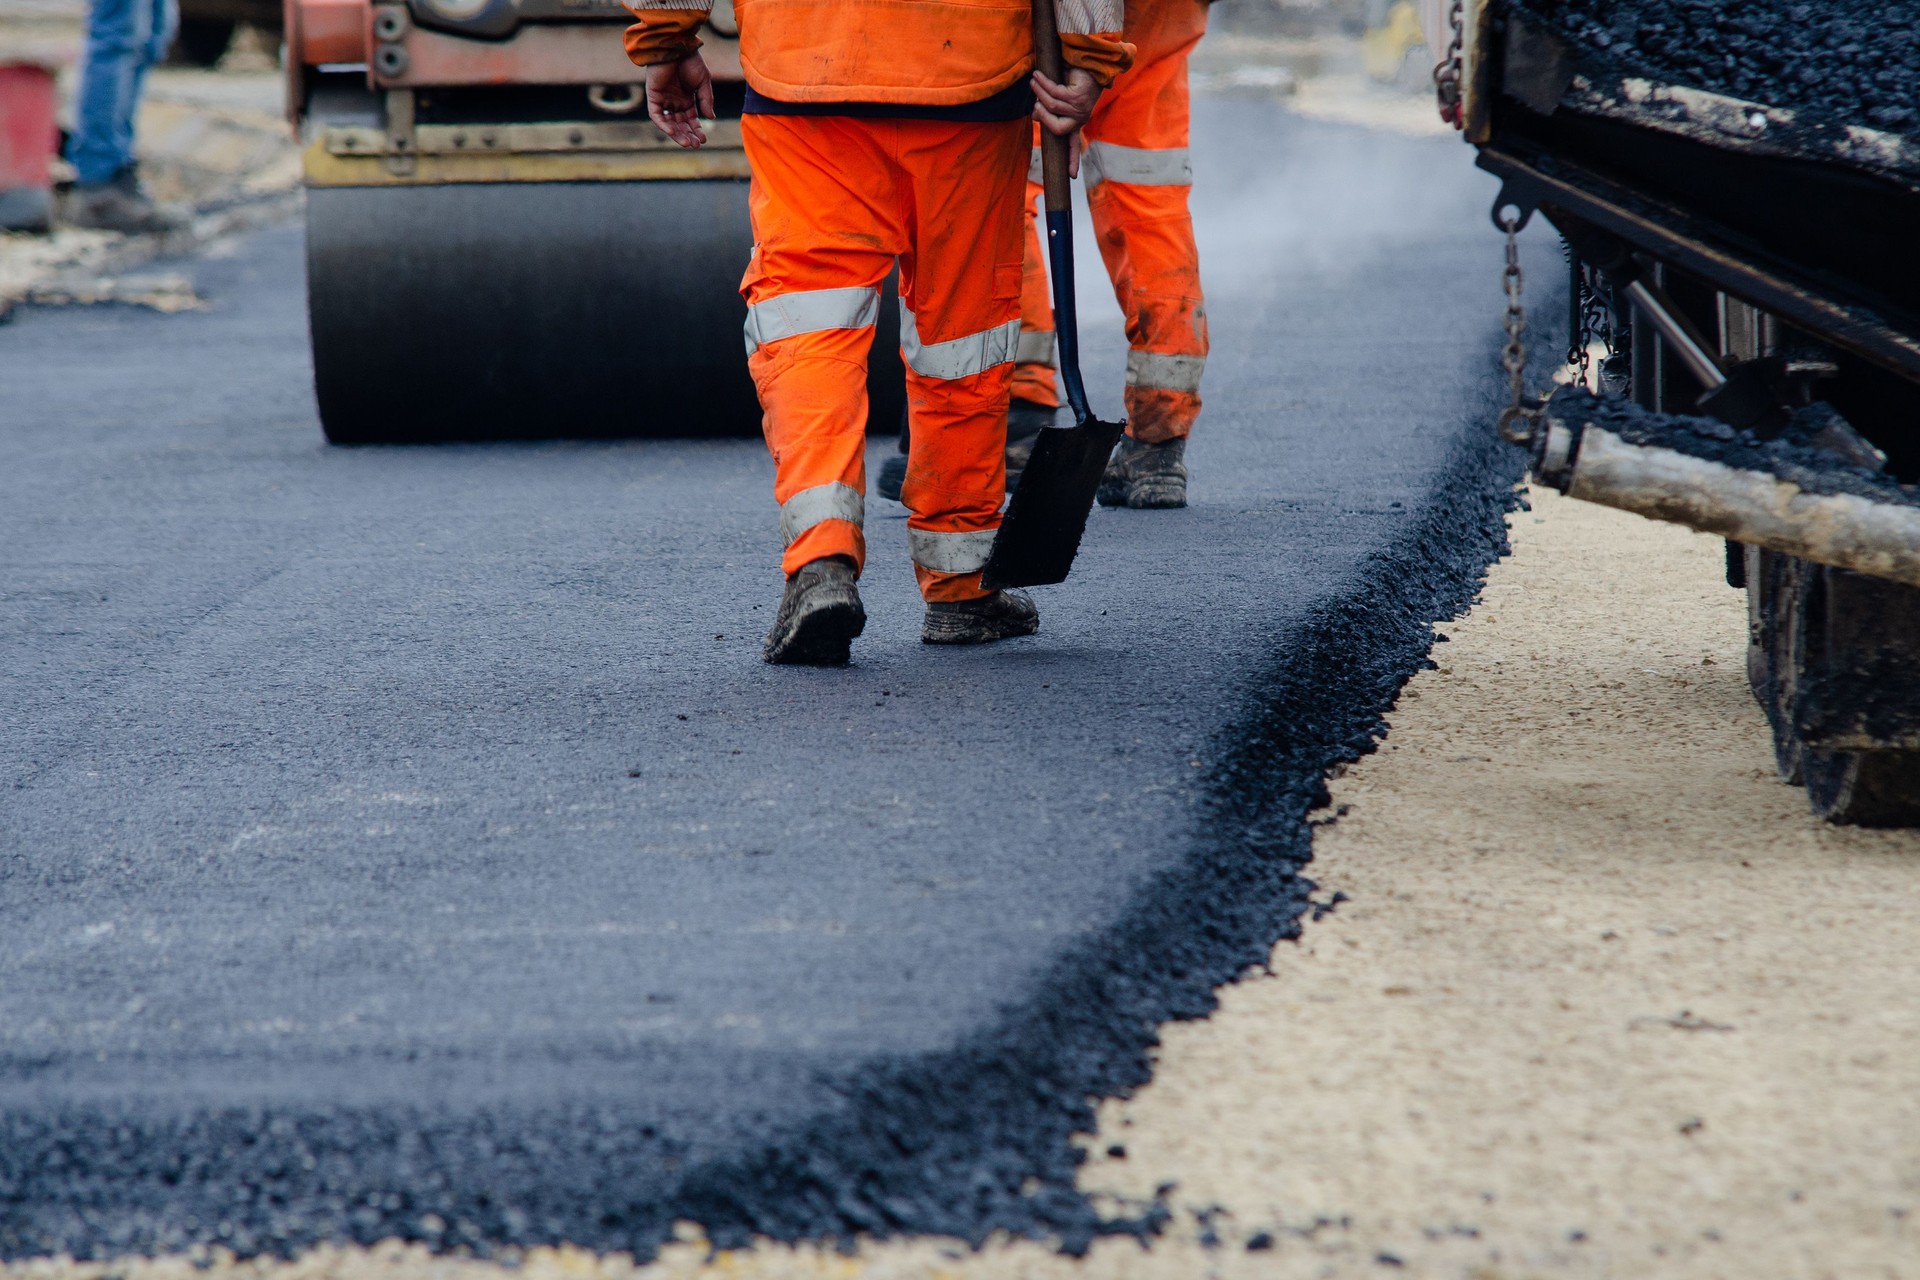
410,841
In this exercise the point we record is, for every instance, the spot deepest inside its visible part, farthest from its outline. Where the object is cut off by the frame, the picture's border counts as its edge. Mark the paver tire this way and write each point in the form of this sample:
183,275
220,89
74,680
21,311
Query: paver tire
1864,788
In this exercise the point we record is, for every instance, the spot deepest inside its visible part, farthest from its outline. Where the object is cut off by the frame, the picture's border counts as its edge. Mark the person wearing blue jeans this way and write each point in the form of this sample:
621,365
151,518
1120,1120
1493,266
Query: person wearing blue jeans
124,39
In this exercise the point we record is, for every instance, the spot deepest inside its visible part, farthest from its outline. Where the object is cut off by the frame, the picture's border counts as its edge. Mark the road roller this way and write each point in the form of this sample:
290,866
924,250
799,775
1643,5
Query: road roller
1737,193
501,245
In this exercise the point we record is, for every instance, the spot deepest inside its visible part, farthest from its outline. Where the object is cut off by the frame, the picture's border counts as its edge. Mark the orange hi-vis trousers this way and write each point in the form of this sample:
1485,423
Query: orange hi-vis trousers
835,201
1138,177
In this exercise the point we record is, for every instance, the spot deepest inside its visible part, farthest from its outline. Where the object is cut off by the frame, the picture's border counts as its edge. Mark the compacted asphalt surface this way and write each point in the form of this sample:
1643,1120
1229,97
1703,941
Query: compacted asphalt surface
410,841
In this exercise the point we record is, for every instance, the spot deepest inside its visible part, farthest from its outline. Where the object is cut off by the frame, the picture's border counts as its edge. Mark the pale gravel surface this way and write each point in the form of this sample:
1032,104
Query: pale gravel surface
215,142
1606,1001
1603,1001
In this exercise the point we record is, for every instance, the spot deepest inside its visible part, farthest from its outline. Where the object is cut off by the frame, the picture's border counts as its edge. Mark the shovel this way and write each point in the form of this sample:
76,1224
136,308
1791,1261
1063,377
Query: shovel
1041,529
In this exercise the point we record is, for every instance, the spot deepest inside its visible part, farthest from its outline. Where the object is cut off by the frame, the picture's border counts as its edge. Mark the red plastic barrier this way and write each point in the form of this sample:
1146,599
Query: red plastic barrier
28,137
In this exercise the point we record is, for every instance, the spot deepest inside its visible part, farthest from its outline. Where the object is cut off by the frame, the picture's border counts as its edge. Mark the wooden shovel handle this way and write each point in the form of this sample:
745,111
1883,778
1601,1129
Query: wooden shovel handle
1052,64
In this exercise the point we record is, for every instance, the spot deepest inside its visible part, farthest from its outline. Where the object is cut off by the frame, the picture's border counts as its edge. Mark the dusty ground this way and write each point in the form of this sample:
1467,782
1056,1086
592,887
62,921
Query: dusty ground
216,142
1602,1000
1325,77
1606,1001
210,140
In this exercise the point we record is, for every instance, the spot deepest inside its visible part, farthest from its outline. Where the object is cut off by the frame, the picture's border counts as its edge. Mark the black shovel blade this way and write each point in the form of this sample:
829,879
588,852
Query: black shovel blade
1041,529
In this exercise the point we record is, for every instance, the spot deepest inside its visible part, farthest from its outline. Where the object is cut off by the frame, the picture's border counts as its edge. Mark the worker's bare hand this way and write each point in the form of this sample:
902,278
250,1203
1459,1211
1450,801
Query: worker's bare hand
679,96
1062,109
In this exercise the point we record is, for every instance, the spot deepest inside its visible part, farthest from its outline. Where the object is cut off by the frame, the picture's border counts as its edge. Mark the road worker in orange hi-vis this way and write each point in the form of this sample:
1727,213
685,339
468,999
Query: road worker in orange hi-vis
1137,176
884,130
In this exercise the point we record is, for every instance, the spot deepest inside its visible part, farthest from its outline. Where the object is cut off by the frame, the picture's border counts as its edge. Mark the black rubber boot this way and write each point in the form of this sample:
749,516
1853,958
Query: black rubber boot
1145,475
994,617
892,477
819,616
1025,421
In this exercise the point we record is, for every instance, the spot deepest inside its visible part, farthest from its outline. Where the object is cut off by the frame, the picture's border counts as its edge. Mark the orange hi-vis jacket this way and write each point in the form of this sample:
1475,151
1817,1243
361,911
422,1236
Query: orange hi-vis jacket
920,52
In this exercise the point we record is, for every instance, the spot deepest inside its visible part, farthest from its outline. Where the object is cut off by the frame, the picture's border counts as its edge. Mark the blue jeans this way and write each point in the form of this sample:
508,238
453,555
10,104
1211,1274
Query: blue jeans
124,38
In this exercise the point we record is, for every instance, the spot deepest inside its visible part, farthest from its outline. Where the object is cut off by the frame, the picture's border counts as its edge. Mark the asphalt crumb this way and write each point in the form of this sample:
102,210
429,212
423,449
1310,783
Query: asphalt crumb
1793,454
1848,61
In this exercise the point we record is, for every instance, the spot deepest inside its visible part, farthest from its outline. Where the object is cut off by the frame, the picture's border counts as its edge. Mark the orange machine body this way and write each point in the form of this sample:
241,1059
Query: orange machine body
398,52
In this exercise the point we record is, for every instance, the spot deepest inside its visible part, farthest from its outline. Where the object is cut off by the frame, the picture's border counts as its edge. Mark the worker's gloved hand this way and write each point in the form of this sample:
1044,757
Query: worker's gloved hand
679,96
1062,109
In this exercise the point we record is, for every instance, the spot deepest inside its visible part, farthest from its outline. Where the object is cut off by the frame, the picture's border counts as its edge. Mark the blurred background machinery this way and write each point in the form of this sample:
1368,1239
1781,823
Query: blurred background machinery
500,243
207,27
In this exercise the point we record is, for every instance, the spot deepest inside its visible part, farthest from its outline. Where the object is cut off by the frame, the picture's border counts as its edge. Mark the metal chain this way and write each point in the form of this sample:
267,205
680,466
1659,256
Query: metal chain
1599,315
1447,72
1593,317
1582,337
1516,420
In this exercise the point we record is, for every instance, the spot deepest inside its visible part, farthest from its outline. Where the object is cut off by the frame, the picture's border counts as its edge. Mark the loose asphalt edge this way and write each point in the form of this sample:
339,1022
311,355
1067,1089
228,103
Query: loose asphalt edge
982,1139
966,1143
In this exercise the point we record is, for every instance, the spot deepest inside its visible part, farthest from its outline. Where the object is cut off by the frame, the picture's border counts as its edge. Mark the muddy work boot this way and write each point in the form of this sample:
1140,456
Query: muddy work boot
1025,421
994,617
1145,475
120,204
819,616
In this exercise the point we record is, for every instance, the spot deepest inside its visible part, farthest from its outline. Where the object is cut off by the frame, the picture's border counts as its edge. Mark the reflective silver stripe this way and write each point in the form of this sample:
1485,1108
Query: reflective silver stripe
957,357
809,507
1137,166
1035,347
1168,373
786,315
1035,173
1084,17
950,552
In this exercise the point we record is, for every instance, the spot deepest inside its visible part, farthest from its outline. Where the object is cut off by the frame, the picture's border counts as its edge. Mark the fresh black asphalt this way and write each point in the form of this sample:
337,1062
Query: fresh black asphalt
410,841
1841,61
